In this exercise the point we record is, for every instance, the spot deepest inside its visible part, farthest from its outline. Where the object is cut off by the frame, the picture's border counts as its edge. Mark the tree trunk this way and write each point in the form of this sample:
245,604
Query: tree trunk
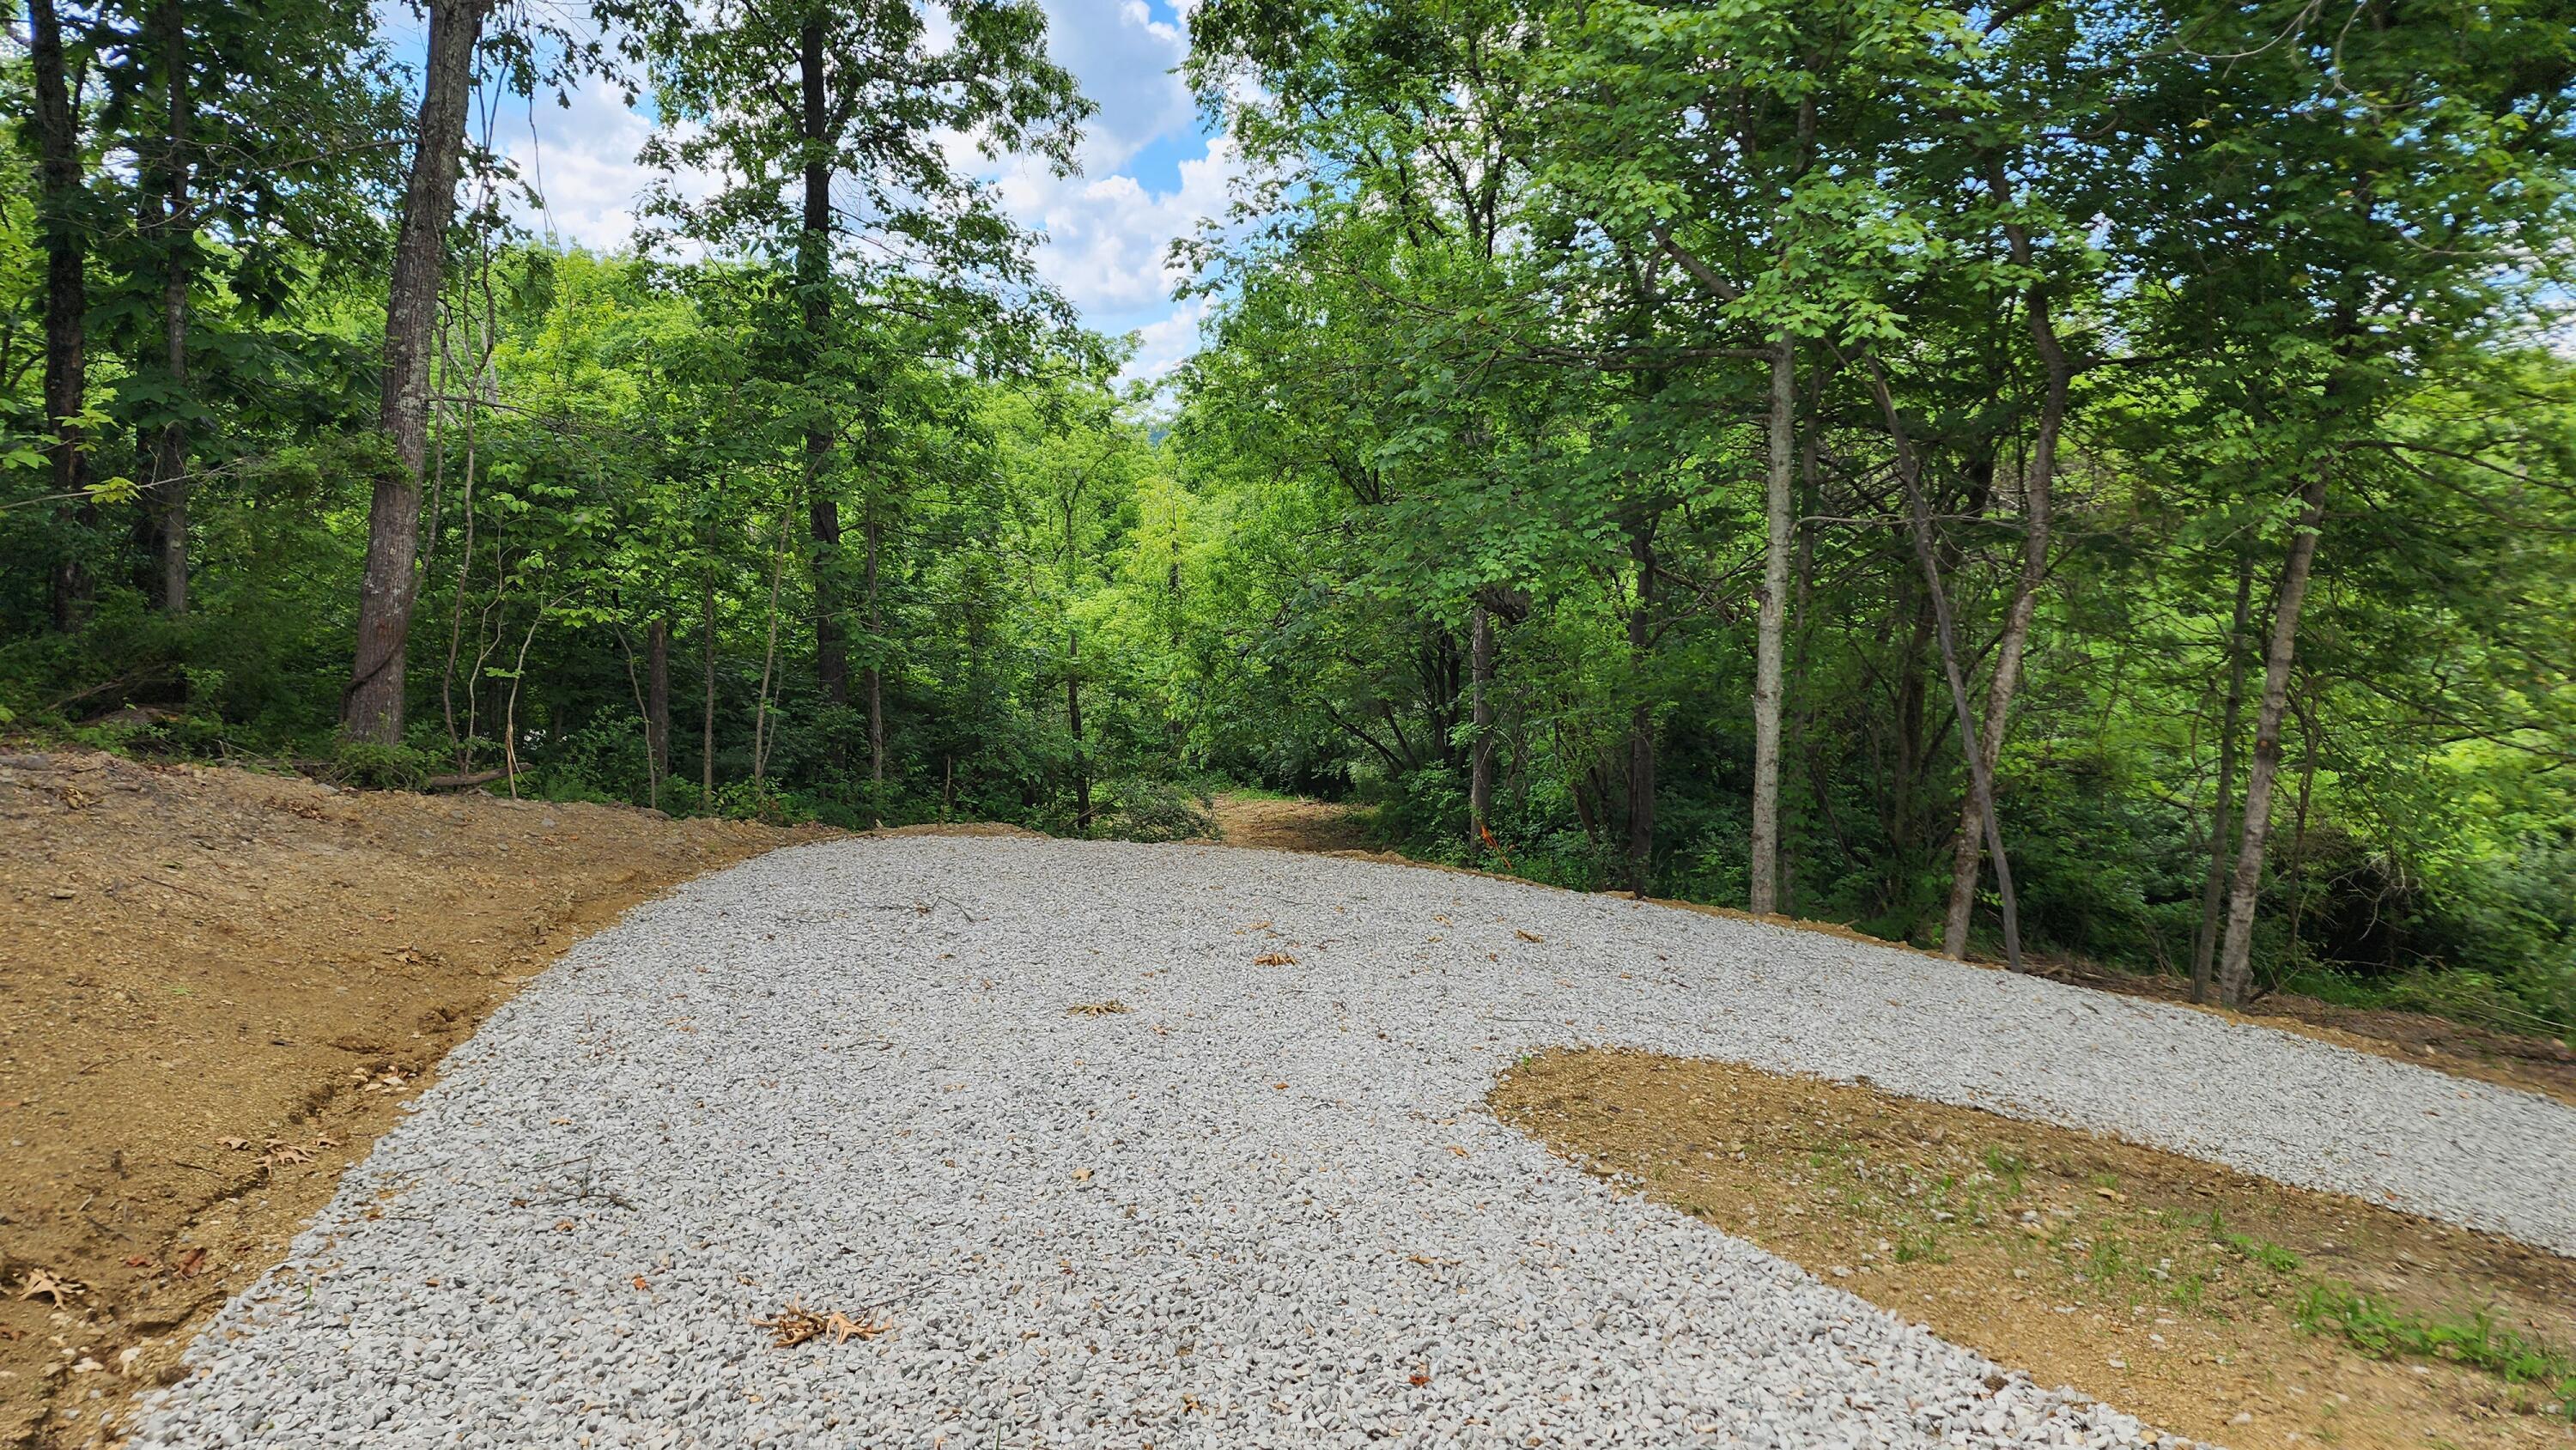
1803,625
1981,783
707,705
657,707
1480,752
814,282
372,708
2213,887
58,179
873,677
1771,628
1073,723
2236,953
1641,717
175,235
768,665
2036,500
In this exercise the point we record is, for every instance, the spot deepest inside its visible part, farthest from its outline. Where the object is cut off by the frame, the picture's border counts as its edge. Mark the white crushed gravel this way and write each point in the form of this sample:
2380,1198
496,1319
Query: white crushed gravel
1263,1207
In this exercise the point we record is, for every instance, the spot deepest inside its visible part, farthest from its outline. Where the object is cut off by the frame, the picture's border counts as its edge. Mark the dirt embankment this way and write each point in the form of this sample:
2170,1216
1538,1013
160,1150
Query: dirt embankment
216,988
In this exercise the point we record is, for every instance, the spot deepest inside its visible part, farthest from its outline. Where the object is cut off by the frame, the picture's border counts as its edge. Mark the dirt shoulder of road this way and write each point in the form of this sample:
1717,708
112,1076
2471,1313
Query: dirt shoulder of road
2531,1063
2208,1303
220,987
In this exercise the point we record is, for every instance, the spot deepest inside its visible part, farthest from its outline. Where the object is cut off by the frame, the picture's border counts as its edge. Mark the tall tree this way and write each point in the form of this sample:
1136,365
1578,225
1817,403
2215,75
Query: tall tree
372,707
803,96
62,221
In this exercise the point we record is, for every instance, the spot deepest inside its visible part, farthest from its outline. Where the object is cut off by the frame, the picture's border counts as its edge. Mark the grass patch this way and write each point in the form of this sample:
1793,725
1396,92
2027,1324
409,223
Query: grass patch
2179,1290
2263,1251
2382,1331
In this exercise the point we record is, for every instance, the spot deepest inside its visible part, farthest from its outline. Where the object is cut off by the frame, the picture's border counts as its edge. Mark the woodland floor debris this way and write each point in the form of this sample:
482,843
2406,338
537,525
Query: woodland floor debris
216,988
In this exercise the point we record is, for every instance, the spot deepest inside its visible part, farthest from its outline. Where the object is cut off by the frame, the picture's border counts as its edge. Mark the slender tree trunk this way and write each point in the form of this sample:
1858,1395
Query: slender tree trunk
814,281
768,664
2037,489
1803,626
1073,723
707,701
175,234
510,712
59,192
1981,781
2213,886
873,677
372,708
657,706
1480,752
2236,952
1770,635
456,615
2296,866
1641,717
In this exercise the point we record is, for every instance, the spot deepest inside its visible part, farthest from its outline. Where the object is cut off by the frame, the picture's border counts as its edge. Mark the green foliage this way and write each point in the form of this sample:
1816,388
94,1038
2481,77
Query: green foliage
1142,809
370,766
2384,1331
1490,335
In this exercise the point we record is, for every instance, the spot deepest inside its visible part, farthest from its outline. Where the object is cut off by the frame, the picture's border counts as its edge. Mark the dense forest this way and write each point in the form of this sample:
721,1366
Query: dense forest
2055,479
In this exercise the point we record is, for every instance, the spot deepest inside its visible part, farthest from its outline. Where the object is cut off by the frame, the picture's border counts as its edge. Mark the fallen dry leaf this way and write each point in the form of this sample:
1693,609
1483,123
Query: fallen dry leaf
1110,1008
792,1325
1527,935
232,1142
191,1263
40,1281
843,1328
1274,959
280,1154
1420,1380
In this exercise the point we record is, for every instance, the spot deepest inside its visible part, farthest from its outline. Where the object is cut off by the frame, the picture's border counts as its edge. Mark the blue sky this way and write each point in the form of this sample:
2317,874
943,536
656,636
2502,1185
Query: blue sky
1149,169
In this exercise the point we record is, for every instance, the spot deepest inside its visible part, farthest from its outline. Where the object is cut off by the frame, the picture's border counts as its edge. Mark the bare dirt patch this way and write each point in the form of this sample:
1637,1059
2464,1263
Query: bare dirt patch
220,986
2168,1287
1290,825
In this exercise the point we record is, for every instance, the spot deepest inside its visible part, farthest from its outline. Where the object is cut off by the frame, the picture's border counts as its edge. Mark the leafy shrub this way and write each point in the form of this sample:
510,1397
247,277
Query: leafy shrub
370,766
1141,808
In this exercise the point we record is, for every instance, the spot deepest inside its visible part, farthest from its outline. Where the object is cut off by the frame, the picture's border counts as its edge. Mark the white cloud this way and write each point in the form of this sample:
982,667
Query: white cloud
581,162
1109,238
1166,342
1125,59
1108,235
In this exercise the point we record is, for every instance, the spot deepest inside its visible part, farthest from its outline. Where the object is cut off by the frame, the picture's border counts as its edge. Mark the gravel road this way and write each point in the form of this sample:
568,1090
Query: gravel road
1261,1207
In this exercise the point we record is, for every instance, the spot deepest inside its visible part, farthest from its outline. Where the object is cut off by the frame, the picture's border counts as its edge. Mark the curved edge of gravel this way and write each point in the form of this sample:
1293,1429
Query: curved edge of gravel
2275,1104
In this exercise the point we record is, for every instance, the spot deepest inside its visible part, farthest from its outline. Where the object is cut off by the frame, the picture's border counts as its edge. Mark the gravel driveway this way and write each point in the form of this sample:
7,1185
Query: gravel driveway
1261,1207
